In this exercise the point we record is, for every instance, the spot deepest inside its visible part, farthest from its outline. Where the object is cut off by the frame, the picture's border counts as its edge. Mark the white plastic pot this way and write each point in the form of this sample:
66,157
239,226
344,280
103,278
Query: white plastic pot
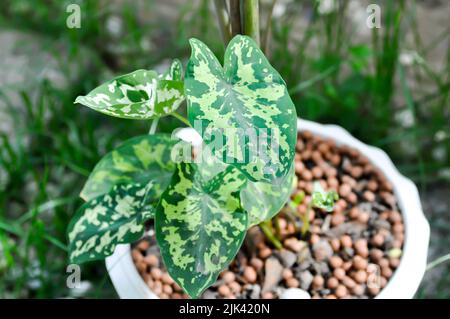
406,279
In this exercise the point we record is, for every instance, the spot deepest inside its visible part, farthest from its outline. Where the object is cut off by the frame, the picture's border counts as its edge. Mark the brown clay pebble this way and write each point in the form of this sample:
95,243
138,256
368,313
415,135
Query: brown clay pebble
257,263
157,287
267,295
292,283
332,282
163,296
336,261
369,196
228,277
348,282
330,297
383,262
318,282
167,289
347,265
359,263
151,260
377,240
337,219
344,190
143,245
250,274
317,172
339,273
354,213
235,287
373,290
224,290
358,290
341,291
364,217
156,273
314,239
352,198
287,273
335,244
356,171
361,247
360,276
346,241
167,279
136,255
376,254
386,272
306,175
372,185
394,262
176,295
395,217
293,244
141,267
265,252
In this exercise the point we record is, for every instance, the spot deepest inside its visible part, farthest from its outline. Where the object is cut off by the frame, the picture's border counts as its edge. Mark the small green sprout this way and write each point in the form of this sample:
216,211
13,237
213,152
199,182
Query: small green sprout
320,199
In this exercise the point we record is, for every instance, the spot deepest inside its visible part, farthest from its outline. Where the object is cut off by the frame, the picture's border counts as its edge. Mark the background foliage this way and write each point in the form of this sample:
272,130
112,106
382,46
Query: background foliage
388,88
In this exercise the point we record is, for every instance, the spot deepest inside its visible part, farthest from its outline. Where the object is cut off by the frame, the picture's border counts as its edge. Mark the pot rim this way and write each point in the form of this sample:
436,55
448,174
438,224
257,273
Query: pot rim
406,278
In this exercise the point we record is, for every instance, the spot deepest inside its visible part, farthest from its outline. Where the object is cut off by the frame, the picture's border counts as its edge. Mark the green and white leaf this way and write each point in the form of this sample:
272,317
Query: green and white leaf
174,72
234,100
263,201
113,218
200,225
139,95
140,159
322,199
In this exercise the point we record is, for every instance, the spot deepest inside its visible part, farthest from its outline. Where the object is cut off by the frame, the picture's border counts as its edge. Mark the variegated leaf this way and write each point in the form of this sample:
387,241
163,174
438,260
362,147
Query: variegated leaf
200,225
174,72
140,159
263,201
244,106
139,95
322,199
113,218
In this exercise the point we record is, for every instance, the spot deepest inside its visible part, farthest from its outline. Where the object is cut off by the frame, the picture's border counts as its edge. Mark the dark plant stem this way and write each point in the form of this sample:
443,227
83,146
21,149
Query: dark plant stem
267,31
223,20
235,17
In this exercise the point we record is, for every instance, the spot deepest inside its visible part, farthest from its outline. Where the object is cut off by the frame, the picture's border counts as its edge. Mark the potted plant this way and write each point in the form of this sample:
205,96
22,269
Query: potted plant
247,159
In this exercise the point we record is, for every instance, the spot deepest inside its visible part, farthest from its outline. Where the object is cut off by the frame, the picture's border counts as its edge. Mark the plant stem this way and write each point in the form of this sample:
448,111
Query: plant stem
266,227
251,19
181,118
235,17
265,38
223,20
153,126
438,261
305,219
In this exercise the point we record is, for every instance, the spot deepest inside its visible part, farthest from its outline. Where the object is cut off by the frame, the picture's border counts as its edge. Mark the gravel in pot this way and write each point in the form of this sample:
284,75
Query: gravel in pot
351,252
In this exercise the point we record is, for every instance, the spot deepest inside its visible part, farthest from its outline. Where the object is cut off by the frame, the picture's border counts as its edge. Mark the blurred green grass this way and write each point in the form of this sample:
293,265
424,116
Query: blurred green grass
334,76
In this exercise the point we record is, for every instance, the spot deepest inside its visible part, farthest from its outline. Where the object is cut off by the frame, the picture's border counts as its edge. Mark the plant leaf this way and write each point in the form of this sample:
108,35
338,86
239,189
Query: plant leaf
139,95
140,159
200,225
262,200
322,199
110,219
240,106
174,72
